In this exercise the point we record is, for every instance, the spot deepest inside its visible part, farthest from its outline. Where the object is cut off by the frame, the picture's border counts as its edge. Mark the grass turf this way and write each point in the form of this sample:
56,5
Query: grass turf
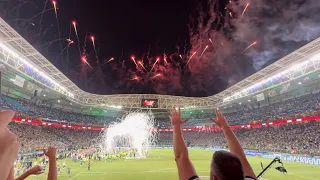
160,165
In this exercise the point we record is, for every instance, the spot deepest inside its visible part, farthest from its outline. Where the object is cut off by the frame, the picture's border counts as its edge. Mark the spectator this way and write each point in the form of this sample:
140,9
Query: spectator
9,146
51,154
224,165
36,170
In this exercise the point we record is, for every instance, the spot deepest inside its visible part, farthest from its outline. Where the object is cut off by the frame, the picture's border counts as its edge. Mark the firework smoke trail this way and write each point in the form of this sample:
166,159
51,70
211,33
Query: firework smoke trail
76,31
132,57
58,24
45,31
165,58
85,43
154,64
67,46
185,46
191,57
121,54
157,75
211,41
33,17
84,59
230,14
45,7
254,43
204,51
111,59
94,47
140,63
149,51
245,9
50,43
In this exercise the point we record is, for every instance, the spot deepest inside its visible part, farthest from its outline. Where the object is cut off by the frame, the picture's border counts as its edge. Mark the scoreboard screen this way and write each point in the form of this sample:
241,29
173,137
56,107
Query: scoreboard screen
149,103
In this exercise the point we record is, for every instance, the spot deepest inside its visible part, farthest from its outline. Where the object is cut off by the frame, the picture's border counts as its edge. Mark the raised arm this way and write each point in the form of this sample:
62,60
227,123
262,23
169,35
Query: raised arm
9,146
185,166
233,143
36,170
51,153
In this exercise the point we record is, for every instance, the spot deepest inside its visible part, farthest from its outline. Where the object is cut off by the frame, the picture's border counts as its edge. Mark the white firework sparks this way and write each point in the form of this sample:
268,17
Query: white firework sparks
134,132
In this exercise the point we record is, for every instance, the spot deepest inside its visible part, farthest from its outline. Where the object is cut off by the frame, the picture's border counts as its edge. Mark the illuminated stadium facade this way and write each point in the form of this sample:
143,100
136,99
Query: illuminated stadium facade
21,58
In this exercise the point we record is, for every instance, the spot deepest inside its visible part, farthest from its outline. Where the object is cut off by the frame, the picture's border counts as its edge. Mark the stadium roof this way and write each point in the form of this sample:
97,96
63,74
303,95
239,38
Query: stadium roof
18,54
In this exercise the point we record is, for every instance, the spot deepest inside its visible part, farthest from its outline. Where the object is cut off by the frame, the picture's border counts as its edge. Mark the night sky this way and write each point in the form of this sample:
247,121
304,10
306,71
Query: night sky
165,29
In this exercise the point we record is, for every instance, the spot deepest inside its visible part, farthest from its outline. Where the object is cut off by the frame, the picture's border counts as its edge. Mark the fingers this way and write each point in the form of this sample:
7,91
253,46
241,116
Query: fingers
174,111
213,120
179,111
39,172
217,113
185,120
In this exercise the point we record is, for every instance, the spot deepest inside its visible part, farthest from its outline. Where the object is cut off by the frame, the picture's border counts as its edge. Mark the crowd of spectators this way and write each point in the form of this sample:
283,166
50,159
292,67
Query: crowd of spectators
36,137
301,106
298,107
298,138
302,138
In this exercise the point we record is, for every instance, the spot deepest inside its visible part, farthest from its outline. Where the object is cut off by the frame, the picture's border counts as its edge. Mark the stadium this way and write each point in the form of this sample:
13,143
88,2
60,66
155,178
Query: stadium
274,113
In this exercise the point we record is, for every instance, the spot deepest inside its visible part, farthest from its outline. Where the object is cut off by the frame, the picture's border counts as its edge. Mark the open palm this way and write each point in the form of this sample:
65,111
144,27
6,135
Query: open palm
175,117
220,120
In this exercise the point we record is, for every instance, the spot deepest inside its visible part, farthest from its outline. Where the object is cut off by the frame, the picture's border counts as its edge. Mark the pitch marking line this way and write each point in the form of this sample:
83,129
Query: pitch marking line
75,175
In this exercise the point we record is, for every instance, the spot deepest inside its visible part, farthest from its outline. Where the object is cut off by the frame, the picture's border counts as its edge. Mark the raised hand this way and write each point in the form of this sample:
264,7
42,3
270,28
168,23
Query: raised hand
51,152
9,145
36,170
220,121
175,117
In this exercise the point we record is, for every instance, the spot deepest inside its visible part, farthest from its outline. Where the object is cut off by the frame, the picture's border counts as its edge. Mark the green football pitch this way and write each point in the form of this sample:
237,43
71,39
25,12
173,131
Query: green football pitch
160,165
